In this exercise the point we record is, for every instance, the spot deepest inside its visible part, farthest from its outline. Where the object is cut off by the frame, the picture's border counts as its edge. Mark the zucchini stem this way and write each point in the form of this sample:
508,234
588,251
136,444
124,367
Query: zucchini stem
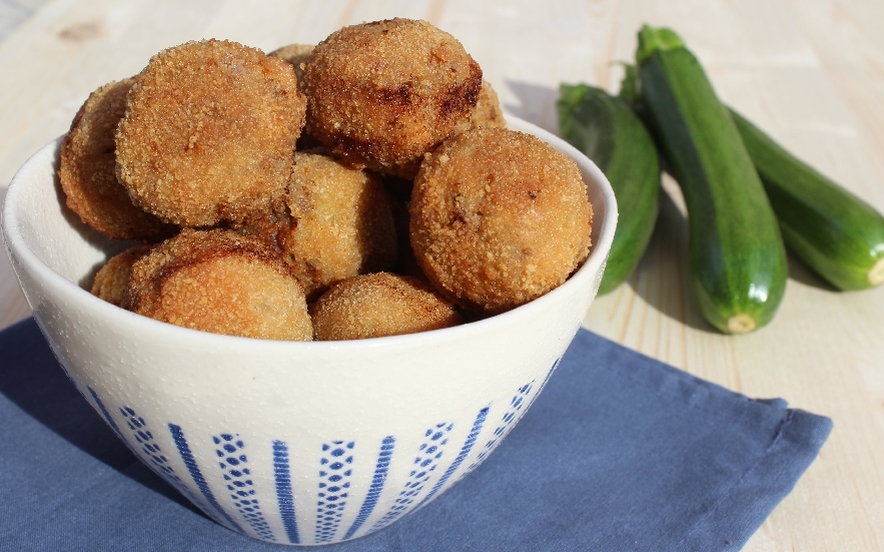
741,323
652,40
876,275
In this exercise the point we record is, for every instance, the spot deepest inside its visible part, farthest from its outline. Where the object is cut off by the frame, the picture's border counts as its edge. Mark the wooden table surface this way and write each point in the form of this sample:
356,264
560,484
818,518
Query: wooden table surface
810,72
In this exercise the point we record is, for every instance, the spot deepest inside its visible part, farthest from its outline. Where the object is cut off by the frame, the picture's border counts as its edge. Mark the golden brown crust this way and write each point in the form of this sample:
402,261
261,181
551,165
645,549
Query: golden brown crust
219,281
112,279
209,129
488,112
498,218
87,170
380,304
409,158
338,223
382,94
296,55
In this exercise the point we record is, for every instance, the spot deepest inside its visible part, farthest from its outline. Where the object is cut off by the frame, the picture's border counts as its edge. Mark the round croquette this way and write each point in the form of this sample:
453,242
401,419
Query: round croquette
498,218
380,304
87,170
382,94
342,223
219,281
112,280
209,132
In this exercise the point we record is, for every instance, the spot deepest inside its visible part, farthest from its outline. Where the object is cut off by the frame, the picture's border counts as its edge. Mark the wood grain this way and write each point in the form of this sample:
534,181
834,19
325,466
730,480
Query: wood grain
809,72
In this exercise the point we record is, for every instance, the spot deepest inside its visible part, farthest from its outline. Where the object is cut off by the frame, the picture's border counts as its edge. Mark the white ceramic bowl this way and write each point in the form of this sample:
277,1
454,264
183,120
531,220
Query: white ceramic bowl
293,442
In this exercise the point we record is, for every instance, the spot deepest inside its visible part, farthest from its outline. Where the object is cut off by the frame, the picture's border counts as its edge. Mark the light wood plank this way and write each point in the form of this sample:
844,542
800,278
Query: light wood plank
809,72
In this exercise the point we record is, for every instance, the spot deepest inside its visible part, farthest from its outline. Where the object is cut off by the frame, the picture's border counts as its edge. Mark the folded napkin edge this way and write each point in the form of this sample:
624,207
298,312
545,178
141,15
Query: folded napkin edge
795,445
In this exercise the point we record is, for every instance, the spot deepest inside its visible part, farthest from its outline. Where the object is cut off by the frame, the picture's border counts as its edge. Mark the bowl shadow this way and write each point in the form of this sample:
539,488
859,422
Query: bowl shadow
32,379
662,278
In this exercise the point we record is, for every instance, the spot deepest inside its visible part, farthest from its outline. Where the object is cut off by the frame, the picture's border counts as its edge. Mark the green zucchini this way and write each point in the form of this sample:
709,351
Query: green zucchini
737,256
606,130
837,234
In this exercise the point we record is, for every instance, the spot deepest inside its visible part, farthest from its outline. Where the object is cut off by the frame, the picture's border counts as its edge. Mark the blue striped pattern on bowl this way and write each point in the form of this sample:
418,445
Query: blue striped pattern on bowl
281,516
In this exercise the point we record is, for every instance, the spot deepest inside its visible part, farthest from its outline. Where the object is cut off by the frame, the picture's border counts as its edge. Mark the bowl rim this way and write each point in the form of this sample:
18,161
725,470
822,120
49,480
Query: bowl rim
16,246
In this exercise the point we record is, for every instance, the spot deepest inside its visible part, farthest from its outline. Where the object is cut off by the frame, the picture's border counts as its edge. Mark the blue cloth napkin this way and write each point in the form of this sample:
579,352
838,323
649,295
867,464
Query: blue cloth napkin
619,452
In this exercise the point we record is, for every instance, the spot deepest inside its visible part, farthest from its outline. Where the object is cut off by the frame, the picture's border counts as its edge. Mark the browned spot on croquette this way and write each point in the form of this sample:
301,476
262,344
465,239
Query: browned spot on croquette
382,94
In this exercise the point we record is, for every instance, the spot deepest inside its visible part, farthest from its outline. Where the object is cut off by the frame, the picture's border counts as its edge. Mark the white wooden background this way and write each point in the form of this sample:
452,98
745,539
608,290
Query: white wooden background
810,72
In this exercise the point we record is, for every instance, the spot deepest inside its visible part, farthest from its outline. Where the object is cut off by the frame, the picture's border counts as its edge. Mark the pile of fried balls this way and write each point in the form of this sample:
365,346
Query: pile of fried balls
362,187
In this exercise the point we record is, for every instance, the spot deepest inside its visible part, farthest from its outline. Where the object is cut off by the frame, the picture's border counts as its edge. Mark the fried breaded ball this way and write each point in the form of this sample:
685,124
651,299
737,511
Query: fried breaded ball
87,170
381,94
209,130
498,218
378,305
295,54
219,281
341,223
112,279
488,112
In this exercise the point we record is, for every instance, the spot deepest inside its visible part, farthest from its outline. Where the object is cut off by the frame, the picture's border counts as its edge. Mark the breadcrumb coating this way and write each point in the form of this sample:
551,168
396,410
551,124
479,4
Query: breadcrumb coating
382,94
219,281
296,54
498,218
488,112
112,279
378,305
87,172
342,223
209,130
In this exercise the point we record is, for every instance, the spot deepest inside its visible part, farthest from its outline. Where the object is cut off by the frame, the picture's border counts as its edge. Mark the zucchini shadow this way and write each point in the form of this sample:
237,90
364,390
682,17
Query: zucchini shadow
662,278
